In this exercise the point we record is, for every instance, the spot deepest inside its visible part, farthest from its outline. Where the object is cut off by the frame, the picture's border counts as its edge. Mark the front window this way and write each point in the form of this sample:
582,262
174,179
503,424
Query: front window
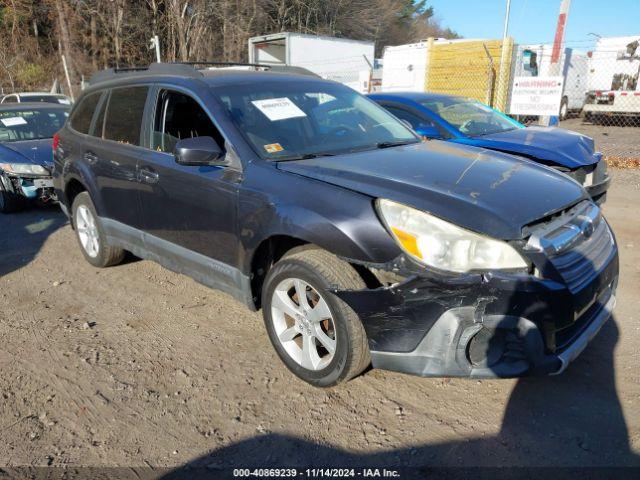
470,117
289,120
179,116
31,124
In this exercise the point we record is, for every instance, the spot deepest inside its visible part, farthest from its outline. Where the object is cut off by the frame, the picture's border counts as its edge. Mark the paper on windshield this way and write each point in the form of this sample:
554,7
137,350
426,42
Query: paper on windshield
278,108
64,101
13,121
273,148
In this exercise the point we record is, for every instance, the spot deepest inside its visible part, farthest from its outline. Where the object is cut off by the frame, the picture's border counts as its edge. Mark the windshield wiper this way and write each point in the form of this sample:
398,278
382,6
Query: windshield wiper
306,156
395,144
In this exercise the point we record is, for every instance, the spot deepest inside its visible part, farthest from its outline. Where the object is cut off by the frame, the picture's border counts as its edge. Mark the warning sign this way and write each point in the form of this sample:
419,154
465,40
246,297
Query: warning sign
536,96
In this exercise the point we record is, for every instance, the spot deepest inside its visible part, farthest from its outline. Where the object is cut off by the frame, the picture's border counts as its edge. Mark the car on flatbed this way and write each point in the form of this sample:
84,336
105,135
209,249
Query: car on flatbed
469,122
26,154
360,243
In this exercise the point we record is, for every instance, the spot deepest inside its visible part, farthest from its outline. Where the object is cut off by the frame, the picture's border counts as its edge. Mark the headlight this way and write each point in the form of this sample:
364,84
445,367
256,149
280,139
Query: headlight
445,246
24,168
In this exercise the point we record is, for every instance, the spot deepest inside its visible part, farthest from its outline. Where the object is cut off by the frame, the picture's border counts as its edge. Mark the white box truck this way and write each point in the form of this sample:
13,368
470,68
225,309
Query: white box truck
614,68
339,59
535,60
404,67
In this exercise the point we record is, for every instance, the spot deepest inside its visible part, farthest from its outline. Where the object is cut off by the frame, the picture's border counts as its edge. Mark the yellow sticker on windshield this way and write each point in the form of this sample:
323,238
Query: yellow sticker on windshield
273,147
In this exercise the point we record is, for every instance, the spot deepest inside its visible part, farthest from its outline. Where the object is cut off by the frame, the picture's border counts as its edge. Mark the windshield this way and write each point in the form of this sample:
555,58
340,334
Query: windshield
470,117
289,120
31,124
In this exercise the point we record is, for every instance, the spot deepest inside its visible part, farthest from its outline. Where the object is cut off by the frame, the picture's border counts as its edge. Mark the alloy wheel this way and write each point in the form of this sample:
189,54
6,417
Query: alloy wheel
87,231
303,323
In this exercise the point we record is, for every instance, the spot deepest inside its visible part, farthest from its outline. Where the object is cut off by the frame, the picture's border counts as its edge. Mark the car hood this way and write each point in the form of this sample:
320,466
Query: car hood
39,152
549,144
482,190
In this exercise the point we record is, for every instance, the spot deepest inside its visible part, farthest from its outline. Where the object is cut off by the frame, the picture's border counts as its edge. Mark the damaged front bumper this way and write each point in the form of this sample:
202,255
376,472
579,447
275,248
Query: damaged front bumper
32,187
483,325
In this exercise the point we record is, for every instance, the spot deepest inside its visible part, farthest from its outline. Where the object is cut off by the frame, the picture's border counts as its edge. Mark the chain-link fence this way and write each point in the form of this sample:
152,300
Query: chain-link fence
600,89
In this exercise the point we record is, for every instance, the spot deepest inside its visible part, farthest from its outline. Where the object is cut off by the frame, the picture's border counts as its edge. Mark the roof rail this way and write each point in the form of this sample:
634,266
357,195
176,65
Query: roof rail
153,69
187,69
265,66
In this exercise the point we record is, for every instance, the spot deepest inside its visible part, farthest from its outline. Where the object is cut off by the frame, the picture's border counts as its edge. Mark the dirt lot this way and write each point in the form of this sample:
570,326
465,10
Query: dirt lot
614,141
137,366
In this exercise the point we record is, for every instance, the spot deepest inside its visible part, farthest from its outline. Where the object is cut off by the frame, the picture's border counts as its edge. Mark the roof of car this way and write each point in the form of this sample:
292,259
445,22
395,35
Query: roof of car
218,74
229,76
415,96
12,107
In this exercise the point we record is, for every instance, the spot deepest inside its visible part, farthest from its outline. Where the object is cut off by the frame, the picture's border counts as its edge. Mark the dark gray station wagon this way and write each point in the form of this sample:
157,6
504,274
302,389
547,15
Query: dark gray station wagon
360,243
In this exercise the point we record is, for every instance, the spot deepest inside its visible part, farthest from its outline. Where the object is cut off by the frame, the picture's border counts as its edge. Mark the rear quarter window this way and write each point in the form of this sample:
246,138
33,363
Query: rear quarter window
124,115
82,115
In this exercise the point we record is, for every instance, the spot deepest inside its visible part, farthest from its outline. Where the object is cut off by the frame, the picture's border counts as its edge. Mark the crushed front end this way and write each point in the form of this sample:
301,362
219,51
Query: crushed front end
498,324
27,182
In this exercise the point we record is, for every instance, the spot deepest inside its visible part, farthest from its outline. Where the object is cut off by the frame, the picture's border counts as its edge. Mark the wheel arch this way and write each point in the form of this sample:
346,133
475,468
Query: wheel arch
276,247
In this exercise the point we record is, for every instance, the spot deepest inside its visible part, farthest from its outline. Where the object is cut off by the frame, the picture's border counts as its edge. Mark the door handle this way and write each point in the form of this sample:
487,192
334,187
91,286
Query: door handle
148,176
91,158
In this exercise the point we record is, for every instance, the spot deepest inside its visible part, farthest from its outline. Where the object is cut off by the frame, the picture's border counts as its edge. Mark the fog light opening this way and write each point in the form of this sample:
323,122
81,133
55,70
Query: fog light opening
487,347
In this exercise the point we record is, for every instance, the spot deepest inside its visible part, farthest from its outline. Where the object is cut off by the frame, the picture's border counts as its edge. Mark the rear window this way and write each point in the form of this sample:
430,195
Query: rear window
124,115
81,118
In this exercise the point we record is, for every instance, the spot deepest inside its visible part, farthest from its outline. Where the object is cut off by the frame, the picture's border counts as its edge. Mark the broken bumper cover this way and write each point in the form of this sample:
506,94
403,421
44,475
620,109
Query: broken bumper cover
483,326
29,186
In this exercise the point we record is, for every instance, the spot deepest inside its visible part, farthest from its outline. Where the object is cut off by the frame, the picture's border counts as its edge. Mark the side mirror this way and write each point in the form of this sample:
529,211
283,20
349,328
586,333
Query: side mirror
428,131
199,151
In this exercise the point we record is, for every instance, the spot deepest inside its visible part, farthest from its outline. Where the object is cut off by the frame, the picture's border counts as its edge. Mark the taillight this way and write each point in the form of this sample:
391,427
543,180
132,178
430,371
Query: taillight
56,141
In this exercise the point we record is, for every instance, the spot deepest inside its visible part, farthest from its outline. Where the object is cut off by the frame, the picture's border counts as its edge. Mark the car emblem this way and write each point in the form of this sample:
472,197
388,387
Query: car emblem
586,227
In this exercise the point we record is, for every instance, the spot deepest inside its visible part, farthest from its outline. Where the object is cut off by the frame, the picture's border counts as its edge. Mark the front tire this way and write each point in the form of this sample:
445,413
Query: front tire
317,336
90,234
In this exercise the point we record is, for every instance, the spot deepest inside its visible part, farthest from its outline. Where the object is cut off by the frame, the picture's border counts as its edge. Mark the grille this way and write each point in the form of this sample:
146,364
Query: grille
579,265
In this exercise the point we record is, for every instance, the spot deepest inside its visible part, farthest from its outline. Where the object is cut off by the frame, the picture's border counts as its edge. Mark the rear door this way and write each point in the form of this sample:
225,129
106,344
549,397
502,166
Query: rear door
194,208
113,151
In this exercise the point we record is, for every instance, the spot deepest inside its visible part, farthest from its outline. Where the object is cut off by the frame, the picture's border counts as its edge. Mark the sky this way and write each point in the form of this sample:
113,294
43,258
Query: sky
534,21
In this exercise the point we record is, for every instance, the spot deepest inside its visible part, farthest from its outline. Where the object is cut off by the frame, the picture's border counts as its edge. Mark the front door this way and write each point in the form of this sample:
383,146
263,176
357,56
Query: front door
189,213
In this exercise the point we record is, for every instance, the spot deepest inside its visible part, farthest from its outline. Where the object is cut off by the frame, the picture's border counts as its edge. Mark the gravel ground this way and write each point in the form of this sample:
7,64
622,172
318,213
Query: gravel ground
137,366
617,143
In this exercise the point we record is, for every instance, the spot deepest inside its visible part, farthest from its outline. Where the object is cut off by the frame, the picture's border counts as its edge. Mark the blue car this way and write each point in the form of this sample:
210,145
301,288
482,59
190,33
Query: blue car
26,154
469,122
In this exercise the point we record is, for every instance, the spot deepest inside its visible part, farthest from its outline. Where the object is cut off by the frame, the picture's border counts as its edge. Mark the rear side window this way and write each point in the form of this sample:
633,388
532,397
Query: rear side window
81,117
124,115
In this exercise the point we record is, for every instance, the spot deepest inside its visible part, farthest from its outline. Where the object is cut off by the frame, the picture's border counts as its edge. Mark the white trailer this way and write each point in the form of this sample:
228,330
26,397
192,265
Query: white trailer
614,68
404,68
535,60
338,59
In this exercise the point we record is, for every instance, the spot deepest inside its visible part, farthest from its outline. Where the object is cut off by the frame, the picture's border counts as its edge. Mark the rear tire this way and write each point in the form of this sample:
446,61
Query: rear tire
318,272
90,234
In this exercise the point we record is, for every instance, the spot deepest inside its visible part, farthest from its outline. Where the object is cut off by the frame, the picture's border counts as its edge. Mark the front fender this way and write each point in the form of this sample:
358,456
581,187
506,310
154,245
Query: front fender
338,220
